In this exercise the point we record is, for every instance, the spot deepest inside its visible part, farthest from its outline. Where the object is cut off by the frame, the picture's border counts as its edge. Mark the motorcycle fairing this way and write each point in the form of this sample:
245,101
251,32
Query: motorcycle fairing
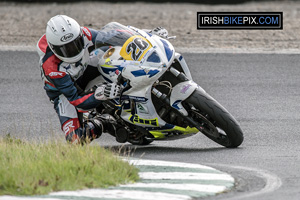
143,58
180,92
141,113
137,119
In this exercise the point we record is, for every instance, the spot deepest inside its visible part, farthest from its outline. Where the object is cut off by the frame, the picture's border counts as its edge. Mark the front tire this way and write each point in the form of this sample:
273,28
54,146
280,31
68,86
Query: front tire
217,123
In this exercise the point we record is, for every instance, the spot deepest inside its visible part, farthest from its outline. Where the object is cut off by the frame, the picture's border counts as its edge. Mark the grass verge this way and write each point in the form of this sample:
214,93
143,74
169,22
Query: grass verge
35,169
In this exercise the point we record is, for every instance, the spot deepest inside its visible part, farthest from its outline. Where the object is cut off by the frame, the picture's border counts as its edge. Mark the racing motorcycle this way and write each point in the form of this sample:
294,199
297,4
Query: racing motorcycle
159,100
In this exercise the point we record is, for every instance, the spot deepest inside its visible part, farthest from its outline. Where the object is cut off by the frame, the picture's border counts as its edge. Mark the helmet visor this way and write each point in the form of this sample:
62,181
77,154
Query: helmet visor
70,49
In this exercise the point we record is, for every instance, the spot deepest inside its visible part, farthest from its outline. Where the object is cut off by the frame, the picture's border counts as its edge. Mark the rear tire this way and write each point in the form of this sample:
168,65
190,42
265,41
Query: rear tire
220,125
142,141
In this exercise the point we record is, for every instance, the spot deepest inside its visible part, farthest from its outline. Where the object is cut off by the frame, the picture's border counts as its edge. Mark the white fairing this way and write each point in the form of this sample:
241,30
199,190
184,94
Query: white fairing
181,92
142,75
140,84
183,65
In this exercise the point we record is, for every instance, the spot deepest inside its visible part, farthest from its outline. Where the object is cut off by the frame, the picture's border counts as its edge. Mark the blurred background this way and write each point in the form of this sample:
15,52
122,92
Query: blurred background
149,1
24,22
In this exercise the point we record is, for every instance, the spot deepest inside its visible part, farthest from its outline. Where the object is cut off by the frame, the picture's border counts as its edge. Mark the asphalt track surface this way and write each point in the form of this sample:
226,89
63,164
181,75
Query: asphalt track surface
260,90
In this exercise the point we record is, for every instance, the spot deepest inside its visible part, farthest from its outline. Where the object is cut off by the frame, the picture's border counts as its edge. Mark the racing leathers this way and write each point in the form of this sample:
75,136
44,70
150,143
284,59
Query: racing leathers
63,83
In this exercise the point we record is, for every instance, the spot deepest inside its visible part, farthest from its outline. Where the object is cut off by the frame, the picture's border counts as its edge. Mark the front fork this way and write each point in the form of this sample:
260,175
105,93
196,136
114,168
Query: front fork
180,92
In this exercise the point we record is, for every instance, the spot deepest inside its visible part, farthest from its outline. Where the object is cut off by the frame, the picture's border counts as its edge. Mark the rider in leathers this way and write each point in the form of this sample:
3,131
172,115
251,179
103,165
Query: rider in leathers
68,63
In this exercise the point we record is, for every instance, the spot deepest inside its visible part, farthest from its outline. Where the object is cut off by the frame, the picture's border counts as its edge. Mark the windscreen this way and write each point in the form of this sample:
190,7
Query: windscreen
113,34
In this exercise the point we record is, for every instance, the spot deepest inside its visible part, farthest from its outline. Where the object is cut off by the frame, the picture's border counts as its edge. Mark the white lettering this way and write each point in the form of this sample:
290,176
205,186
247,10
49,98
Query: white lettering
56,74
67,127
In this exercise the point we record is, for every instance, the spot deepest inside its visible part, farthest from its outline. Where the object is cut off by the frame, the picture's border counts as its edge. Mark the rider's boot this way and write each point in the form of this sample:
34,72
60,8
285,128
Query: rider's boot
93,129
107,123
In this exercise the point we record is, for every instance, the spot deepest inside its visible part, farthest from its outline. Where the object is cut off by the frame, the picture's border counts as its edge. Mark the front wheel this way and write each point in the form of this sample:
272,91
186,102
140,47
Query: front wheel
215,121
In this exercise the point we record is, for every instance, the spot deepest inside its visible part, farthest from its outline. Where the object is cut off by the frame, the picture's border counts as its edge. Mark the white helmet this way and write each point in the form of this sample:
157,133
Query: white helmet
65,38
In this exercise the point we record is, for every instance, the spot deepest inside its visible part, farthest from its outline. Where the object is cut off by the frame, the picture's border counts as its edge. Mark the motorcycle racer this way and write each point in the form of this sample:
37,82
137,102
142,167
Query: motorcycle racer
67,65
68,62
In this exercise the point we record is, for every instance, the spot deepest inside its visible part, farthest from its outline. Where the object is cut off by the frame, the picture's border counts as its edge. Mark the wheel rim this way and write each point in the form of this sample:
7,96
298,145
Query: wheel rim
210,130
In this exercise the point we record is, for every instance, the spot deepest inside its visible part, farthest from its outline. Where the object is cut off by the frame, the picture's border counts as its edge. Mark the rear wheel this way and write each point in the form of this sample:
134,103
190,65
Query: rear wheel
215,121
141,141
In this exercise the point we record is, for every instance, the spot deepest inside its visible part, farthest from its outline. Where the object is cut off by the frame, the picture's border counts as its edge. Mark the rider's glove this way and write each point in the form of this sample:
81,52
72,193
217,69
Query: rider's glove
107,91
160,31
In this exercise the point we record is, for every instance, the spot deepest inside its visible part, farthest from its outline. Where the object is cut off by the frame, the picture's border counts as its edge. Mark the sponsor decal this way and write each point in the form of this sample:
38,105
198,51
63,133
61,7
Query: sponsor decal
185,88
137,99
142,108
136,119
69,127
87,33
56,74
175,104
66,37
